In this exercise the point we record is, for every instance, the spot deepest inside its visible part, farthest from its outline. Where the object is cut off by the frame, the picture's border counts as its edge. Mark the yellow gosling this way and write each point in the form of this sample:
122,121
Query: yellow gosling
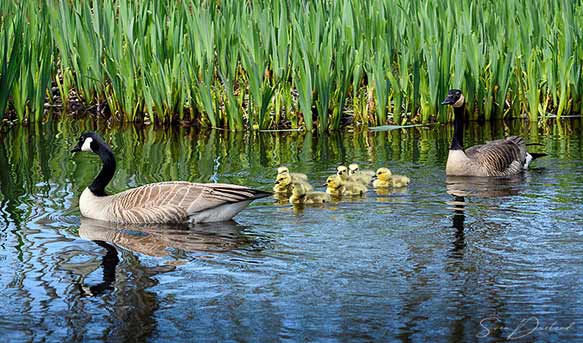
361,176
383,178
386,179
342,172
283,184
295,176
399,181
301,196
353,188
334,185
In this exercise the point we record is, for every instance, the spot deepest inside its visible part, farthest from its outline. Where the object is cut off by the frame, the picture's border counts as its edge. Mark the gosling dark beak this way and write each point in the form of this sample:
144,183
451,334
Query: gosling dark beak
77,148
374,178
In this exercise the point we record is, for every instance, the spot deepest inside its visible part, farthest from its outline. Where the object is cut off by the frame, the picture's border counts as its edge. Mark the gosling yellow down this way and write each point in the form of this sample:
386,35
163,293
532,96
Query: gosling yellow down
386,179
300,195
361,176
295,176
337,187
283,184
285,179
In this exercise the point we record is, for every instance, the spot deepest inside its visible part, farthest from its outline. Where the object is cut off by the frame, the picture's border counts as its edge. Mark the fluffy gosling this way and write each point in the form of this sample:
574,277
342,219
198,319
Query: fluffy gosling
283,184
334,185
354,188
386,179
295,176
361,176
300,195
289,178
337,187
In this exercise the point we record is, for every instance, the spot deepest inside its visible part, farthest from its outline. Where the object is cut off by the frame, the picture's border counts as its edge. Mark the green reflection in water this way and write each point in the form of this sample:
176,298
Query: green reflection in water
47,263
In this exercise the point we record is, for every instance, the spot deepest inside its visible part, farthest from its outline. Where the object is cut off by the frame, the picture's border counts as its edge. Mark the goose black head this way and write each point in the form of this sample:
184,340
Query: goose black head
89,141
455,98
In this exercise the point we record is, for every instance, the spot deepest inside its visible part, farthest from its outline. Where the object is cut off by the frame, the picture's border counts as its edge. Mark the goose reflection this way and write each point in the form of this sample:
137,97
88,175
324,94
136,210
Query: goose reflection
156,241
485,187
159,240
109,263
458,219
475,187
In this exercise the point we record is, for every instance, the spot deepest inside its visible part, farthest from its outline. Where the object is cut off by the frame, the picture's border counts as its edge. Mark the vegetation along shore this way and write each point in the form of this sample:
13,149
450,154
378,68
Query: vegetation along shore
289,64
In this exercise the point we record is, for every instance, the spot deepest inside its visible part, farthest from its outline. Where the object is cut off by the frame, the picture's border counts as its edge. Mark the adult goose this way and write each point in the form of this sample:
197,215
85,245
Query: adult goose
501,157
163,202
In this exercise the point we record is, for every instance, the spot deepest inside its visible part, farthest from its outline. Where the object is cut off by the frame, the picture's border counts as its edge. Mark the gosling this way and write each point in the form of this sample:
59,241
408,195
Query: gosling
295,176
289,178
337,187
386,179
300,195
334,185
351,185
283,184
361,176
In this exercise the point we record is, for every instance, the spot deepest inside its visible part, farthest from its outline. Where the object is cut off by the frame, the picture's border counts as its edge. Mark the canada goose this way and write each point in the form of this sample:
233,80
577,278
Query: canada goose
501,157
300,195
361,176
163,202
385,179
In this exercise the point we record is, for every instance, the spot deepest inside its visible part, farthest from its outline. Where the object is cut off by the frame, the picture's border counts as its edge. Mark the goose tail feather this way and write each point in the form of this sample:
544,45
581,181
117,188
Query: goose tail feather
536,155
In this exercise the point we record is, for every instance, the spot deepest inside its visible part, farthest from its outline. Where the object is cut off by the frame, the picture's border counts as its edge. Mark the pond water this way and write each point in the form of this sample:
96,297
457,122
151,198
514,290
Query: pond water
456,259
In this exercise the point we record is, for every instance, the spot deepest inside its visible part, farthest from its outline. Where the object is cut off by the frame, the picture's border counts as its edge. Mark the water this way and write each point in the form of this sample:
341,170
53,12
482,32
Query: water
456,259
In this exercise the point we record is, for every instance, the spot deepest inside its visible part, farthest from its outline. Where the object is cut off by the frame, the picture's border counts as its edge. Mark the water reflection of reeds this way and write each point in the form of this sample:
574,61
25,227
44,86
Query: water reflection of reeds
45,261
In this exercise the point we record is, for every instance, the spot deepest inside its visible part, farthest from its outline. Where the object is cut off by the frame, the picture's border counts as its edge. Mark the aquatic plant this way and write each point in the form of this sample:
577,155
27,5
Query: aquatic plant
276,64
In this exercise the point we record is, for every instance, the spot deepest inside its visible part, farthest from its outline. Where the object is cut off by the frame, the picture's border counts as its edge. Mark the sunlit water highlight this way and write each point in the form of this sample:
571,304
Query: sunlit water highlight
448,259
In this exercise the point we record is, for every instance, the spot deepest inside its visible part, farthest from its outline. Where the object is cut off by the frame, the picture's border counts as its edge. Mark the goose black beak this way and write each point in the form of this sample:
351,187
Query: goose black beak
77,148
449,100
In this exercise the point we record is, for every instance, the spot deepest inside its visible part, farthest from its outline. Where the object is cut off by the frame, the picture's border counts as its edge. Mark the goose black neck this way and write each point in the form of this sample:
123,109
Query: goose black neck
106,173
457,143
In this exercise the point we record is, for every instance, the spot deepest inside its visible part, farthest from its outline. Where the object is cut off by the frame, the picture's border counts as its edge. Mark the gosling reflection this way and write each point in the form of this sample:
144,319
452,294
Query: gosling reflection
162,240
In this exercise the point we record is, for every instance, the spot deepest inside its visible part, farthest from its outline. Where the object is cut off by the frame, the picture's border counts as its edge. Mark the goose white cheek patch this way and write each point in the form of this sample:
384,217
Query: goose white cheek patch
459,102
87,144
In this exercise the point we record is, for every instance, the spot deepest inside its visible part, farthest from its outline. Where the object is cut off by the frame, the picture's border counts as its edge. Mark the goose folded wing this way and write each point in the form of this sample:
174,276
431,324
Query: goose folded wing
499,157
168,202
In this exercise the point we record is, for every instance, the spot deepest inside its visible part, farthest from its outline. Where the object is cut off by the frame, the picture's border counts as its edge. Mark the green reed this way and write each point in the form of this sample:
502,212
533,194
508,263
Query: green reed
274,64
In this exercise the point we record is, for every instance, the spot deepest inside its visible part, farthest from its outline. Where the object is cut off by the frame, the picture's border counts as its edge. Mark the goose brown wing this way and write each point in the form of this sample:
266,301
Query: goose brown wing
500,157
173,202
